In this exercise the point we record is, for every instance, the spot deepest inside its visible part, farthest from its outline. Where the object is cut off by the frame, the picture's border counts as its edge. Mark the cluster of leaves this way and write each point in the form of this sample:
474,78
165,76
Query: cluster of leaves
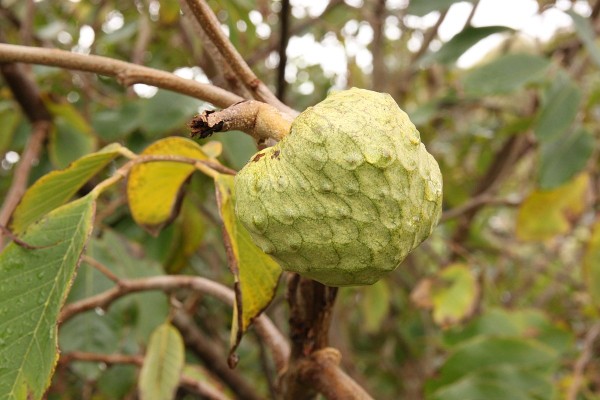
490,307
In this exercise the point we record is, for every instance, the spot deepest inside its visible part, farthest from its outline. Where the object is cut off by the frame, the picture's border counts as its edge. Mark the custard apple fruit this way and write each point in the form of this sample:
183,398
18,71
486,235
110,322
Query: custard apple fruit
346,195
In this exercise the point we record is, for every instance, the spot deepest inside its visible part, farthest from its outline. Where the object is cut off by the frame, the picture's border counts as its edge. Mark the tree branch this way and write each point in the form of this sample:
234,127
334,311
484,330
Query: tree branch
163,282
194,385
585,357
378,46
201,346
284,37
26,93
211,61
311,305
212,27
126,73
321,371
263,325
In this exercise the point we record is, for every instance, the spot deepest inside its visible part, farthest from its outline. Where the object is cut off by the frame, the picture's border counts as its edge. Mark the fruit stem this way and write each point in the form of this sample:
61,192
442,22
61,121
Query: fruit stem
260,120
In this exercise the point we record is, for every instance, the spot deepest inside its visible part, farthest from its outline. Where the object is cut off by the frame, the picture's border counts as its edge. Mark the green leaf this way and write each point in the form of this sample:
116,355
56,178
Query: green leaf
57,187
591,265
558,112
115,124
526,323
188,235
423,7
375,305
161,182
167,111
163,364
492,353
563,158
547,213
503,382
71,136
460,43
505,74
33,286
256,274
586,33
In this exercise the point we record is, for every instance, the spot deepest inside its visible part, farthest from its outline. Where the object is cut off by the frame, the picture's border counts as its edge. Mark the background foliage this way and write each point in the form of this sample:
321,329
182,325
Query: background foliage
501,302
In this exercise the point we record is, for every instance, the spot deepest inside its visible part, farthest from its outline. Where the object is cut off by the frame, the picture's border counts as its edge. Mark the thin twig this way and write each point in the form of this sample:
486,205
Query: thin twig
583,360
164,283
101,267
284,37
378,46
263,325
429,36
22,170
198,387
479,201
108,359
208,353
296,29
126,73
212,27
27,94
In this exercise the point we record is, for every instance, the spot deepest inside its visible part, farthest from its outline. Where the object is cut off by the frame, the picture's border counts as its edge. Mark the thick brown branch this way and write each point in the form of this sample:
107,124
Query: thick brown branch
213,30
211,61
311,305
321,371
127,73
260,120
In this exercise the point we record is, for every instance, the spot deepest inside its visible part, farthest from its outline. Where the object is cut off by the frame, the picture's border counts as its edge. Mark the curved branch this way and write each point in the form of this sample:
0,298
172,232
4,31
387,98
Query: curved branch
263,325
126,73
212,27
164,283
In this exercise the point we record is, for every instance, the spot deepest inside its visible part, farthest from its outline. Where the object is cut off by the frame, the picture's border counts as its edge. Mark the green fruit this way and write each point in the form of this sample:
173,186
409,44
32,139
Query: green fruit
346,195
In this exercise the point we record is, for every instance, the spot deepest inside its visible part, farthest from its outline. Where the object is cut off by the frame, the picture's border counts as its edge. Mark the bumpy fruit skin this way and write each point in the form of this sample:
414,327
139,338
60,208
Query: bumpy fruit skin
346,195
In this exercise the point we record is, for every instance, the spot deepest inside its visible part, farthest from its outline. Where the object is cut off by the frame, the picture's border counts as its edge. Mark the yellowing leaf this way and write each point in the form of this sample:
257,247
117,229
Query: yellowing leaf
213,149
547,213
163,364
34,284
452,294
256,274
57,187
153,189
591,265
187,237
